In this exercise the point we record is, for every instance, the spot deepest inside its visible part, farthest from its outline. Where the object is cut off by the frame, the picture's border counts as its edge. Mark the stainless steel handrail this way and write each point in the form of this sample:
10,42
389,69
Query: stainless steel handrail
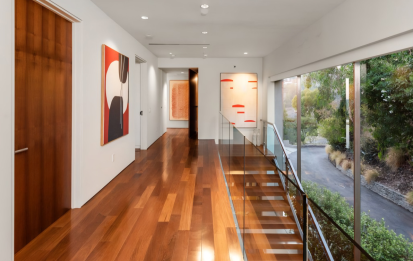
283,148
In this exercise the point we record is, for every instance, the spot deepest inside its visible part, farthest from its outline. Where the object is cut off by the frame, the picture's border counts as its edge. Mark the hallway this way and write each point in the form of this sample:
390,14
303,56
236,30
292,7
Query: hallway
171,203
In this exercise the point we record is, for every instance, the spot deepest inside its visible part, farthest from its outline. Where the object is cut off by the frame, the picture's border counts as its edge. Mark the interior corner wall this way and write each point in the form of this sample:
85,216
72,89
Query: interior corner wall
165,115
355,30
96,168
7,129
174,124
209,87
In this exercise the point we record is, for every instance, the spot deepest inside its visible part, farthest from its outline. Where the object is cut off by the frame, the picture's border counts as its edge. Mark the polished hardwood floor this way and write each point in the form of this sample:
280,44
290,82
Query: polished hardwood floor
171,203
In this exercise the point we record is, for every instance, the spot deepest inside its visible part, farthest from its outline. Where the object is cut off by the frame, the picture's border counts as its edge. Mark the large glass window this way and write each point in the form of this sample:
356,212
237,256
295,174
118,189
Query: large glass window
326,124
386,142
326,131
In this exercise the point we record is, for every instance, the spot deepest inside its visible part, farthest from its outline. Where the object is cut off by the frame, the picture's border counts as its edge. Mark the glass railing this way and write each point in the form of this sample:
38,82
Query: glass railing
274,218
326,240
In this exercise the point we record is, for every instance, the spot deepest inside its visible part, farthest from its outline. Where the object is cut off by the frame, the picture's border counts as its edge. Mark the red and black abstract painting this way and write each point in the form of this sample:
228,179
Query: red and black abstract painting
115,95
239,98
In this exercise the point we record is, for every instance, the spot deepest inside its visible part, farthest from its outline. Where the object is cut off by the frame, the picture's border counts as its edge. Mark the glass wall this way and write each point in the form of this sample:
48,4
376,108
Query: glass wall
386,149
327,130
329,100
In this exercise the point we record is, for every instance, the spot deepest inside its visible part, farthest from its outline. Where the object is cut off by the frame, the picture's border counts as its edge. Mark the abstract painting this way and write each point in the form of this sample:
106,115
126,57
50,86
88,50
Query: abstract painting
115,95
178,100
239,94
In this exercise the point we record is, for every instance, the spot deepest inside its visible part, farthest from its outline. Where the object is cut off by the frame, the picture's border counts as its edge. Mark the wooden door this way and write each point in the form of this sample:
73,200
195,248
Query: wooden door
43,116
193,103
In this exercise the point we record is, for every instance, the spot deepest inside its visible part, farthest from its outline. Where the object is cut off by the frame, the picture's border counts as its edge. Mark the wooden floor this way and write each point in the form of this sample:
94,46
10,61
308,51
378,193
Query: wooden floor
170,204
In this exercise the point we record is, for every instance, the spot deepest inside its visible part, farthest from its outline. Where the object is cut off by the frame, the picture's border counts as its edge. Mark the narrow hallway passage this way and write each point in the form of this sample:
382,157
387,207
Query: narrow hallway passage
171,203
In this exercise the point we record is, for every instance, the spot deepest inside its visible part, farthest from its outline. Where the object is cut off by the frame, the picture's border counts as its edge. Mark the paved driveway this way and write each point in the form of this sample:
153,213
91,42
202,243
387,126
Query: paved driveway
317,168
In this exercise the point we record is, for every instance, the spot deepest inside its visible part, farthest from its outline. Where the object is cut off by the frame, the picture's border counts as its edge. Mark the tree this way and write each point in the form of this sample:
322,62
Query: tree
388,95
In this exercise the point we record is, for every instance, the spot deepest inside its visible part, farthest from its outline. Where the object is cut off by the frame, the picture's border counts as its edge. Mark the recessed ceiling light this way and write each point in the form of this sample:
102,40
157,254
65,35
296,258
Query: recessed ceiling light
170,53
204,6
145,17
245,53
182,72
205,55
204,32
205,47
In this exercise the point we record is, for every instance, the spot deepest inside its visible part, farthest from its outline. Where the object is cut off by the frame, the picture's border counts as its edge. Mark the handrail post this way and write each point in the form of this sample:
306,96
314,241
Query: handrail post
305,227
286,173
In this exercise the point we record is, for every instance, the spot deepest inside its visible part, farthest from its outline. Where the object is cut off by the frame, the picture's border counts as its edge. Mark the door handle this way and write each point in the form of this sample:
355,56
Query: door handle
22,150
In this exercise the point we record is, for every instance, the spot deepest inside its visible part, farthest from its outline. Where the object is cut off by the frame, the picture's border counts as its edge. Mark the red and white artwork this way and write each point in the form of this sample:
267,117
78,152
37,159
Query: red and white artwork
178,100
239,95
115,95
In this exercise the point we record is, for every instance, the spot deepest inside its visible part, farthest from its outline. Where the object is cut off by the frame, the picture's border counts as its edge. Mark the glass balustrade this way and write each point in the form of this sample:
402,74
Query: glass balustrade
275,219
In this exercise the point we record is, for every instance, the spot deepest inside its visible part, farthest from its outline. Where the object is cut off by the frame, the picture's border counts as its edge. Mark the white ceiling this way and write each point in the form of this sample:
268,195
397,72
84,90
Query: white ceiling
234,26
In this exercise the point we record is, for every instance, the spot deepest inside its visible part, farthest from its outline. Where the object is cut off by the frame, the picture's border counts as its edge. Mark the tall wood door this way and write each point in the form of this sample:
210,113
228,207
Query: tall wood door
43,116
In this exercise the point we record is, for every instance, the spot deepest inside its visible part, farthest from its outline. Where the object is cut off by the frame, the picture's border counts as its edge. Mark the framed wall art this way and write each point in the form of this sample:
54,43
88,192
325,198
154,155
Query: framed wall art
115,95
239,98
178,100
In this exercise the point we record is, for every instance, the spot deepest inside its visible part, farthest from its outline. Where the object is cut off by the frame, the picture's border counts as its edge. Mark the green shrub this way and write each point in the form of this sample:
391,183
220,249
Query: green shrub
377,239
334,130
290,130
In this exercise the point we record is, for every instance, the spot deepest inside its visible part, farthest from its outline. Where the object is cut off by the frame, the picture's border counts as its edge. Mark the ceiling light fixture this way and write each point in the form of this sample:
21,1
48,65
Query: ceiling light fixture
245,53
205,55
145,17
170,53
182,72
204,32
204,9
204,47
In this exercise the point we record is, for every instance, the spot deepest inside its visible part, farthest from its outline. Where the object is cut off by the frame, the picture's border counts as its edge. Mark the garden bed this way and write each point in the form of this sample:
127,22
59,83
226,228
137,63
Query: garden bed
381,187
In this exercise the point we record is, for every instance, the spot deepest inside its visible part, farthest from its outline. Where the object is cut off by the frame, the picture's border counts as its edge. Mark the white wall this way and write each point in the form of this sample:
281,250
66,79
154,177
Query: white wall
171,76
355,30
209,87
97,168
6,129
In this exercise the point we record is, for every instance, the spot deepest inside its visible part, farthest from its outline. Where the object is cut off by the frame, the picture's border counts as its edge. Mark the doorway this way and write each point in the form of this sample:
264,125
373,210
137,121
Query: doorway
43,119
193,103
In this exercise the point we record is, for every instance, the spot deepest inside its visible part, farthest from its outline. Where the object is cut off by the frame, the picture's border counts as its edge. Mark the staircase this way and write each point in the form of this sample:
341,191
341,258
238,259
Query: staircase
275,219
269,230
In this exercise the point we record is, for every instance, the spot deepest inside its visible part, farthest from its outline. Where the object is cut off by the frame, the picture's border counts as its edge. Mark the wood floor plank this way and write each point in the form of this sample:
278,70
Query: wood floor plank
188,204
145,197
167,208
170,204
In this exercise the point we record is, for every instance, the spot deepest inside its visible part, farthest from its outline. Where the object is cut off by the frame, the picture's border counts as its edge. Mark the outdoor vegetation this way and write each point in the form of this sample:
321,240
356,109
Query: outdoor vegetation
380,242
386,116
387,120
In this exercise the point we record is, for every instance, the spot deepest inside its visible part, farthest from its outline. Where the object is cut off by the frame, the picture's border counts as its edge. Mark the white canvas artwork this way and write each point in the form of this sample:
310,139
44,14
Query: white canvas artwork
239,95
